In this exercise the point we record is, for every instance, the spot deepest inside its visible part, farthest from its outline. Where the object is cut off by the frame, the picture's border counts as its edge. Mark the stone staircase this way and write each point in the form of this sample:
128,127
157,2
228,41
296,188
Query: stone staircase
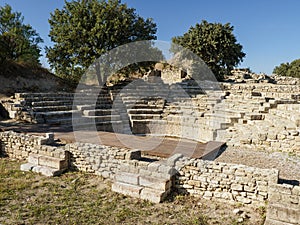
46,165
150,181
80,110
264,123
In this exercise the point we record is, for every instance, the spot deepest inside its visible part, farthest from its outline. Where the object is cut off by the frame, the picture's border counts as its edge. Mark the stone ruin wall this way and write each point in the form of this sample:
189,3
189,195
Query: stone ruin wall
199,178
225,181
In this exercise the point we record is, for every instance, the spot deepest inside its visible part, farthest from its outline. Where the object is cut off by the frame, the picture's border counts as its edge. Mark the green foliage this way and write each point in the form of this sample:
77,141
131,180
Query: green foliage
288,69
215,44
18,41
85,29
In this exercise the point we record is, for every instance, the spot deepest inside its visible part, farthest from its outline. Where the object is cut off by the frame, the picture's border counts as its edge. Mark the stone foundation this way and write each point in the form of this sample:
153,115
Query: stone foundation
153,180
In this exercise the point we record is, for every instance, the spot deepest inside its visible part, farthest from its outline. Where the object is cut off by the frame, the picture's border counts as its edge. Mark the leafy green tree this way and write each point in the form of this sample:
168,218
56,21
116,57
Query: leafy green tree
18,41
215,44
288,69
85,29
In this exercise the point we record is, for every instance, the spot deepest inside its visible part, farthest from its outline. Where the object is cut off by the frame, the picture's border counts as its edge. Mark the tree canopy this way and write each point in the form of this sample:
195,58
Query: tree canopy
18,41
85,29
288,69
215,44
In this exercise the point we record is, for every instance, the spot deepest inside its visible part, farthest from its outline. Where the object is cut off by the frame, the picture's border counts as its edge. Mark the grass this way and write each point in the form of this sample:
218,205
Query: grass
79,198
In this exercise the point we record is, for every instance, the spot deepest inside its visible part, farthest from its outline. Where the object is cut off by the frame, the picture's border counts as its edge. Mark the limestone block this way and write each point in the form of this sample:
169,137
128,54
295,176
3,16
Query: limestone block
59,164
127,189
237,187
27,167
33,159
46,171
283,214
155,183
129,178
155,196
243,200
171,161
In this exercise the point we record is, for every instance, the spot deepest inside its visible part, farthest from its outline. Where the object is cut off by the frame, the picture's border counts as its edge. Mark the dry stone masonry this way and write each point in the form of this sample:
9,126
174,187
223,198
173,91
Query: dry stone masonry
249,111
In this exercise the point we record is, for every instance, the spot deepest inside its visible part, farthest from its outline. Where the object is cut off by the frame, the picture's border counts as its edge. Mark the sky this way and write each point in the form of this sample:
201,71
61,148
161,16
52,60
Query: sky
268,30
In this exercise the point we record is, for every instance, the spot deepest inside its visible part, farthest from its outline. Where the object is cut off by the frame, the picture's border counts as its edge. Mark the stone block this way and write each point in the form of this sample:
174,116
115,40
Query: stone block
284,214
52,162
134,154
243,200
27,167
171,161
129,178
153,167
127,189
46,171
33,159
237,187
155,183
152,195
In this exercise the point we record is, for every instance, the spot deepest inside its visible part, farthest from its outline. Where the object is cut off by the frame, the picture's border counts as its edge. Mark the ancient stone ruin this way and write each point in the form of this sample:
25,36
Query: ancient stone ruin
247,111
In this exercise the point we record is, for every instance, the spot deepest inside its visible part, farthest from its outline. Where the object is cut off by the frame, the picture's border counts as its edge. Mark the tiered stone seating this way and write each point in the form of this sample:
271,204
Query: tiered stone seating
266,123
80,110
144,103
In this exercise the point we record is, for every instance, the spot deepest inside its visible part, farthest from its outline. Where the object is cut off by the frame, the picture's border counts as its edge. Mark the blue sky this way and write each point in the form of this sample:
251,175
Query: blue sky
268,30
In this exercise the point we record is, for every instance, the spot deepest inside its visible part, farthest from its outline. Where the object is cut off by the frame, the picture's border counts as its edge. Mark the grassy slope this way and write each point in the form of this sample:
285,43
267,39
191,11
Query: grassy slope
17,77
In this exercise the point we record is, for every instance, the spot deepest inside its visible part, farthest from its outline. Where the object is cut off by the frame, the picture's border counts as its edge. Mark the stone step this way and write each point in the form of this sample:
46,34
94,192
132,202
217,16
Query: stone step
151,188
219,124
52,108
144,116
143,106
89,119
229,112
146,110
51,103
254,116
109,126
99,112
48,161
46,94
222,117
127,189
44,170
67,122
56,114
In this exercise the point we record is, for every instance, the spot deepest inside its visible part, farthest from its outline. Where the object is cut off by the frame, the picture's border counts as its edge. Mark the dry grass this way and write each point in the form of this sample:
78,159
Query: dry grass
78,198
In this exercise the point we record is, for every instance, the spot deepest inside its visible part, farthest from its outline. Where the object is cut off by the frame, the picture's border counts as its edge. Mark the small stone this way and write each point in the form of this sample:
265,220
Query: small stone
240,220
237,211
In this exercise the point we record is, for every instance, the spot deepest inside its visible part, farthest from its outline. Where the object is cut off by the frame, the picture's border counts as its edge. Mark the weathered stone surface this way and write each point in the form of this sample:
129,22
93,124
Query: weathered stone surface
155,196
26,167
46,171
52,162
127,189
155,183
129,178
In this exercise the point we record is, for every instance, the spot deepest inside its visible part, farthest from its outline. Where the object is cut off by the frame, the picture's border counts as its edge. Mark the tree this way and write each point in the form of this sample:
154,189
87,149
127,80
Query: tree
288,69
18,41
85,29
215,44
